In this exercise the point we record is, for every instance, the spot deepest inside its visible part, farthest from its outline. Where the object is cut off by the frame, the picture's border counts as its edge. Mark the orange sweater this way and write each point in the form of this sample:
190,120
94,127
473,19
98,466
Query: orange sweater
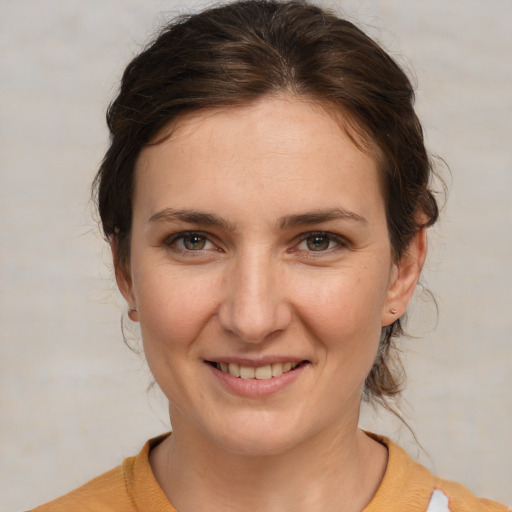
406,487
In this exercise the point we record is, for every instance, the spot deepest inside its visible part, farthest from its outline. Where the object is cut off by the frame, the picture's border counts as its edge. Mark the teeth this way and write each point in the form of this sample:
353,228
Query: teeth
261,372
277,369
234,369
246,372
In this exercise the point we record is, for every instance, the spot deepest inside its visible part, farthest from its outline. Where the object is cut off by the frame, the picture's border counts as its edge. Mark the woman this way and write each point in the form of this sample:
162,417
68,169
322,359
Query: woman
266,197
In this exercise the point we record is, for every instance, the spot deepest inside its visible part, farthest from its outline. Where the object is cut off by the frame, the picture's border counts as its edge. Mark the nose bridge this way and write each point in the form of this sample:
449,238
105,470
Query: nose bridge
254,305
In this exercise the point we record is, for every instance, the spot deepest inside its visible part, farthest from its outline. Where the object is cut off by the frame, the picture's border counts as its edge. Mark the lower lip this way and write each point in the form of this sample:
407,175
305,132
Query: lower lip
256,388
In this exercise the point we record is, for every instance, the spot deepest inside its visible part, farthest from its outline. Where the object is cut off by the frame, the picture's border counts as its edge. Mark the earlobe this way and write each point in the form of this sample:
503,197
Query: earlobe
405,276
124,282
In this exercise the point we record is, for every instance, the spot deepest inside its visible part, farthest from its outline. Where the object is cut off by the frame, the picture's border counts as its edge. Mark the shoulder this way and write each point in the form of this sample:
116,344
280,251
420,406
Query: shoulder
450,496
129,487
409,487
104,493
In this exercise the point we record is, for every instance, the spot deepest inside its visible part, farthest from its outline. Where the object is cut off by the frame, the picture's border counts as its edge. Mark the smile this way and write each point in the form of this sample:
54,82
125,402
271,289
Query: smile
265,372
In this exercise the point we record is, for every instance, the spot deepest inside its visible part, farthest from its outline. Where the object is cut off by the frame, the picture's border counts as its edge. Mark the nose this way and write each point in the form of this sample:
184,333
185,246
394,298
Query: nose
254,306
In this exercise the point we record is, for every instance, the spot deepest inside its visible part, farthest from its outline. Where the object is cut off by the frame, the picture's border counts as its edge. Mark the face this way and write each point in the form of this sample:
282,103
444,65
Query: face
262,274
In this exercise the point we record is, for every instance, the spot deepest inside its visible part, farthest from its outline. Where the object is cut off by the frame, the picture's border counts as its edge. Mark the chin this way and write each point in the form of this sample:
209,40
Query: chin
260,445
258,436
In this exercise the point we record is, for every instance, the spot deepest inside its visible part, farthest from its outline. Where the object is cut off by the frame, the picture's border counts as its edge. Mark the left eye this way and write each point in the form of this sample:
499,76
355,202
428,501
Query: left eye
318,242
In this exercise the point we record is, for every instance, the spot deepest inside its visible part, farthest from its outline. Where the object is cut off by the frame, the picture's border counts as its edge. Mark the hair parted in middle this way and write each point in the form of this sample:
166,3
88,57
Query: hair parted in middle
235,54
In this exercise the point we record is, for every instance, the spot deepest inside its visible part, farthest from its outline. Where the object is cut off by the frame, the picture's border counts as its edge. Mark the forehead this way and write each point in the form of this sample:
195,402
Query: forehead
259,112
281,146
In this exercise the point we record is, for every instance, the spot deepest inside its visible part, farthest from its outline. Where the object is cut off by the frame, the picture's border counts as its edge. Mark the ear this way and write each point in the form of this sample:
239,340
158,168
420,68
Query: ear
124,281
405,275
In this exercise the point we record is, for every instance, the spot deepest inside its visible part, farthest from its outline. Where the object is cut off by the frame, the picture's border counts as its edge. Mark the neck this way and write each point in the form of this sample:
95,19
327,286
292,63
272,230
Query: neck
337,472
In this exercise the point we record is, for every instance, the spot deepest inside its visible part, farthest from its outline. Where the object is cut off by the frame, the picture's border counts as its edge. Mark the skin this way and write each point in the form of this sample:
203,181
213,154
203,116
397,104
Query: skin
253,282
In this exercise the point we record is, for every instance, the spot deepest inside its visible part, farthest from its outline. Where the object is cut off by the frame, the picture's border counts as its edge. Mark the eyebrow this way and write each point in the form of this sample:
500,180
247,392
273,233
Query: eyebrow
288,221
318,217
192,217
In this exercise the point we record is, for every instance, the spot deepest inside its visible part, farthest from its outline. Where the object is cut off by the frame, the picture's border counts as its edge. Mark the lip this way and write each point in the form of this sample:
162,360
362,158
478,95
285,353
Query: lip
255,388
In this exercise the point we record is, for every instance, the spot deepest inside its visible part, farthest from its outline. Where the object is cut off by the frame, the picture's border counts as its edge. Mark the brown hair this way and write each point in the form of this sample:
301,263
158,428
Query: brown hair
234,54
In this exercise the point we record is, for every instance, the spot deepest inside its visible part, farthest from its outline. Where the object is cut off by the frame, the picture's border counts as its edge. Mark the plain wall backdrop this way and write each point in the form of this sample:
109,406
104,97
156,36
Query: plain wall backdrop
73,398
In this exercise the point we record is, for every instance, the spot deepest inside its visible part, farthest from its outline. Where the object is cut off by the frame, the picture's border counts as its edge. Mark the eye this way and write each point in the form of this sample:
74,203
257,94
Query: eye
320,242
194,242
190,241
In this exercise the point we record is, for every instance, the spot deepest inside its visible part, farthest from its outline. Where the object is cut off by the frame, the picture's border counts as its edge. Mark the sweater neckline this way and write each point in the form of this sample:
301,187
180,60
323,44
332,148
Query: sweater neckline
393,491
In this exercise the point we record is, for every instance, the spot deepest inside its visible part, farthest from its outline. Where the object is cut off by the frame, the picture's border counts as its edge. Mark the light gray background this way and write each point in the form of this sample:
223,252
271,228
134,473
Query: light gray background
73,397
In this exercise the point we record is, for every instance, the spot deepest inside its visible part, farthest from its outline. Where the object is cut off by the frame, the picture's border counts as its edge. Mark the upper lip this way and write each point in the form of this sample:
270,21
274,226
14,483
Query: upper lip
263,361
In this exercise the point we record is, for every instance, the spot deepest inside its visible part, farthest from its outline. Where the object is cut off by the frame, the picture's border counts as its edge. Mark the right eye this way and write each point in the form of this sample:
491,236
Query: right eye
190,242
194,242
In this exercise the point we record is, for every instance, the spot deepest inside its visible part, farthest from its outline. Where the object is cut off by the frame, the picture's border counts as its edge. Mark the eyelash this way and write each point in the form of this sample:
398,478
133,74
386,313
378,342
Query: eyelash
341,243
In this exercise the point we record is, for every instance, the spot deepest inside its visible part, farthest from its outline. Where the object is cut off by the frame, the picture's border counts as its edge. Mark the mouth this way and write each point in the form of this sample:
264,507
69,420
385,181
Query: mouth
266,372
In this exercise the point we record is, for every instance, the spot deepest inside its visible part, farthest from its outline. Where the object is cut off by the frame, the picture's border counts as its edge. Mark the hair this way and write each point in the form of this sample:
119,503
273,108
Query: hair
235,54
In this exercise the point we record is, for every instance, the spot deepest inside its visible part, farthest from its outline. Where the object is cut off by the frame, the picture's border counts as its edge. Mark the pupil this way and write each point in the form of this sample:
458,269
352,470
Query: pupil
194,242
318,243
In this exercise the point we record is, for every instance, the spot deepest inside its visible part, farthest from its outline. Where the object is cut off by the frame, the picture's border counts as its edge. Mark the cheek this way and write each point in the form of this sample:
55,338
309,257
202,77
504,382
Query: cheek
343,305
173,311
173,307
